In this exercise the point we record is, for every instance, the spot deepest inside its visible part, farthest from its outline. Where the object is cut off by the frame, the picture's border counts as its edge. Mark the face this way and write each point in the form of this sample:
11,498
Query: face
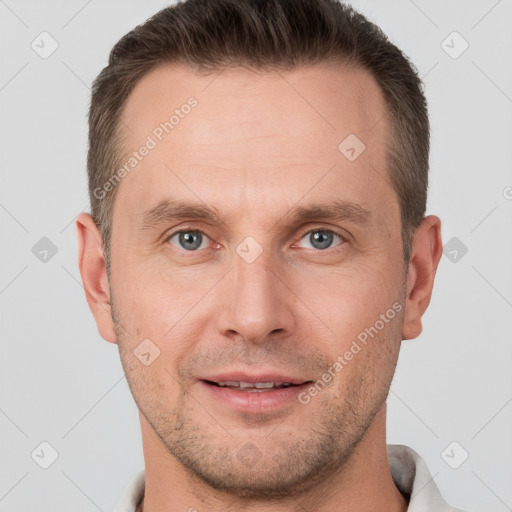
246,246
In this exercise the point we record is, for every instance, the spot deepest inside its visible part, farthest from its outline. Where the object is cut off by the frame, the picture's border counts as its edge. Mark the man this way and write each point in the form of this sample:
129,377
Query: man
258,249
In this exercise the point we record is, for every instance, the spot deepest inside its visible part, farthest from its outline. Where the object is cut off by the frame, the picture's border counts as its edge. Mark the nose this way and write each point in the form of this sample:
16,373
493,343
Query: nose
255,301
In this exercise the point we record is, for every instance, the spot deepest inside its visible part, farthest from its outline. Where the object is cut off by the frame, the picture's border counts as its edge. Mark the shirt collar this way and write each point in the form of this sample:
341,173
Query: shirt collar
413,479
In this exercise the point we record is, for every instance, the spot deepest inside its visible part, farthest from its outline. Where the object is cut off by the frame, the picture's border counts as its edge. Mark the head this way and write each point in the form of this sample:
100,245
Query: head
258,179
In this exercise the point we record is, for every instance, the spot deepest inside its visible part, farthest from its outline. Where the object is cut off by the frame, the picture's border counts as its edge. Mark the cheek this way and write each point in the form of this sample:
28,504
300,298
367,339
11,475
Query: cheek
347,300
155,302
152,385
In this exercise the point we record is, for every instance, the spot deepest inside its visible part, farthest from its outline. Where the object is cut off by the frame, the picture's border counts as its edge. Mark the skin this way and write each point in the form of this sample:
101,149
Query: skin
257,146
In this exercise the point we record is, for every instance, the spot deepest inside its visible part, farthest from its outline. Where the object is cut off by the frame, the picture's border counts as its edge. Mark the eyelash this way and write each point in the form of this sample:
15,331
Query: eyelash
323,229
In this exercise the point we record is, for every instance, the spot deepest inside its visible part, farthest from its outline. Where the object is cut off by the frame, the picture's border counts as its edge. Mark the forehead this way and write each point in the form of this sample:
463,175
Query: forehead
247,100
261,135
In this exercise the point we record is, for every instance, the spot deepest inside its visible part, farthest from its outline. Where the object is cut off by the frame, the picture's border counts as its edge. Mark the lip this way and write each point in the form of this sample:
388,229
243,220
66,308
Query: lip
256,402
245,377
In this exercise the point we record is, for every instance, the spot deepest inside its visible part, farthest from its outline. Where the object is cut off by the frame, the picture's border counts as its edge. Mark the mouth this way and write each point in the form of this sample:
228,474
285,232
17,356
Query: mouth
253,387
255,395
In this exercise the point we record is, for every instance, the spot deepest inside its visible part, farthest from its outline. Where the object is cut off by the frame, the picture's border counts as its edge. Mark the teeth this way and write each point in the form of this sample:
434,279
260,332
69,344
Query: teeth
257,385
262,385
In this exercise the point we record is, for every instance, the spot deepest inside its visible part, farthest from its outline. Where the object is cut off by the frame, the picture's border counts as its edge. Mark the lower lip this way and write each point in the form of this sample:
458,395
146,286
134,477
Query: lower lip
256,401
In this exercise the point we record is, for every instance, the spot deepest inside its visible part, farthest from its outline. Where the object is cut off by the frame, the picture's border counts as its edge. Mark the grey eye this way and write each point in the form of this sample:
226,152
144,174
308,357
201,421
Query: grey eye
188,240
320,238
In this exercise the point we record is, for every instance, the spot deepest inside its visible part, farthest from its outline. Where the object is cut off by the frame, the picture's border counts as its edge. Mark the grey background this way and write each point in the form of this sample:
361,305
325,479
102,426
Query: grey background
61,383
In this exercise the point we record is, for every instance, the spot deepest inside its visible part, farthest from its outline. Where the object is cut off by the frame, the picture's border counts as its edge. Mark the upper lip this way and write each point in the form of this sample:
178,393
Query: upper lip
263,377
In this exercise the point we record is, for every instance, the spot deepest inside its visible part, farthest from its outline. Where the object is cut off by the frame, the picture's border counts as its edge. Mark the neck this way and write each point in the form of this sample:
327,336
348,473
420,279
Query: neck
363,483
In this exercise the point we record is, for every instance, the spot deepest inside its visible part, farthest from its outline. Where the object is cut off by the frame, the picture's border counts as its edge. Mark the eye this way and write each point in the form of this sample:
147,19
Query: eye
190,240
321,238
194,239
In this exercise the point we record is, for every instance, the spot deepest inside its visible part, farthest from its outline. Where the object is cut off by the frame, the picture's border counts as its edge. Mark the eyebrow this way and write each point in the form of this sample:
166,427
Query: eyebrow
336,210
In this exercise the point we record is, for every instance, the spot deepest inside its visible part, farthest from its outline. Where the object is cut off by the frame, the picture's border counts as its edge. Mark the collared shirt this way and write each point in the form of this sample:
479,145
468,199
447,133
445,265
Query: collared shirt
408,469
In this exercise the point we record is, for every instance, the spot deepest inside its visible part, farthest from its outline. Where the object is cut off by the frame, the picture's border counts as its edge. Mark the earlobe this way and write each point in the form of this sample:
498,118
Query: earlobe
92,266
427,249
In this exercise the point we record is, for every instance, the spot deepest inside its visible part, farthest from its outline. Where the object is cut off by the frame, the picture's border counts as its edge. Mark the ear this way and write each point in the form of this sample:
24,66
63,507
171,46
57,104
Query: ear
427,249
91,262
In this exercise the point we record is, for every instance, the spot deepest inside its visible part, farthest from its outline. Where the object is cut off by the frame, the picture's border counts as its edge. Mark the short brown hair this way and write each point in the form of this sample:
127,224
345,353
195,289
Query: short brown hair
263,34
